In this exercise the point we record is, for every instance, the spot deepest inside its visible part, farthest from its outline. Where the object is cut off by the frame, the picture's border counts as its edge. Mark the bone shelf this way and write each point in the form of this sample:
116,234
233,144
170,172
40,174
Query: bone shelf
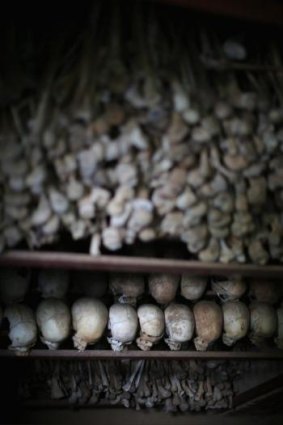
144,265
136,354
133,264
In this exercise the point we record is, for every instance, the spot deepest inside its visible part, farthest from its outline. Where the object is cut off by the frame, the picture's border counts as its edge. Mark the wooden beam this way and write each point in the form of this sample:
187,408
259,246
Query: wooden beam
133,264
258,393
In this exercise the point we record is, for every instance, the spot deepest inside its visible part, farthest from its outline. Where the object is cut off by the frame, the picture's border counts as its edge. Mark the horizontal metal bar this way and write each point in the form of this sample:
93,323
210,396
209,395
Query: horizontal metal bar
134,264
136,354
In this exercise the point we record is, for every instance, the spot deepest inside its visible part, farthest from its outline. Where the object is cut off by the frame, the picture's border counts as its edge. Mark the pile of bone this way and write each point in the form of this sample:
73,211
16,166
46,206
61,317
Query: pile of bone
160,159
143,314
173,386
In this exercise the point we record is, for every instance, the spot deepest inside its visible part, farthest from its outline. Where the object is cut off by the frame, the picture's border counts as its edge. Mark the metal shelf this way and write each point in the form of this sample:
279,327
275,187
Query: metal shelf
133,264
136,354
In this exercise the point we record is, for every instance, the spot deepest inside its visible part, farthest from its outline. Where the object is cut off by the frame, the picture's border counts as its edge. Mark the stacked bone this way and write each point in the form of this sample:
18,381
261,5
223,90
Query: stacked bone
173,386
143,314
151,154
